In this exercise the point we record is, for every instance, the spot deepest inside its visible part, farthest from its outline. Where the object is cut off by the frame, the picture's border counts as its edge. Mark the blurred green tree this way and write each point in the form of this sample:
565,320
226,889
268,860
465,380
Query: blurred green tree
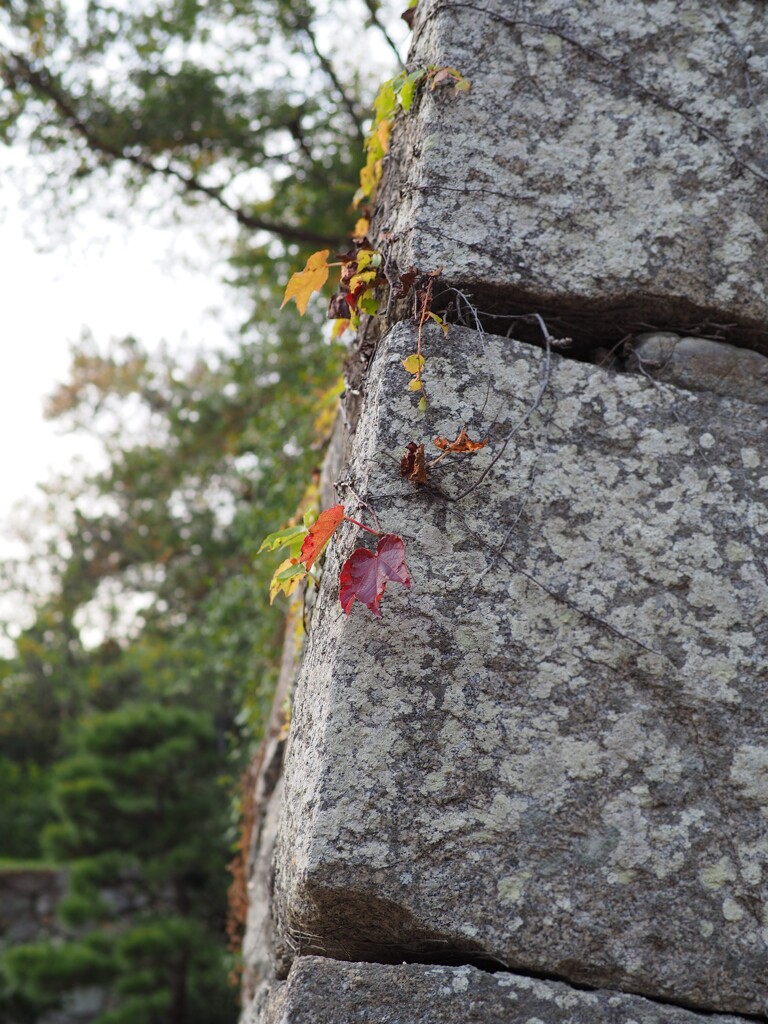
143,814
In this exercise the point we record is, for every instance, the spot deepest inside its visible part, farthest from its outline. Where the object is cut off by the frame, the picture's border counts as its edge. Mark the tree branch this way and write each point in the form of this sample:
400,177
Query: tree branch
373,7
19,69
305,26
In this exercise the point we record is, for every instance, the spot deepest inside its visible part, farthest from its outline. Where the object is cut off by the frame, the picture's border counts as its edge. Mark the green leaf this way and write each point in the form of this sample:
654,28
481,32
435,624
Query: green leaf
386,100
408,90
368,304
422,404
290,571
282,538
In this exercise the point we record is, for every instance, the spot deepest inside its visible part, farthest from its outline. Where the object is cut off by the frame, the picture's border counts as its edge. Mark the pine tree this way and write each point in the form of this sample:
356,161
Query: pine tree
143,817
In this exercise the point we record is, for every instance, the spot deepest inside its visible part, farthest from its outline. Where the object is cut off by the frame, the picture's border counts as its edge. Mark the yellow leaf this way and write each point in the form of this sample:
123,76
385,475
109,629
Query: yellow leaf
414,363
415,384
365,278
327,407
366,257
440,322
288,583
311,279
370,176
361,228
339,326
383,133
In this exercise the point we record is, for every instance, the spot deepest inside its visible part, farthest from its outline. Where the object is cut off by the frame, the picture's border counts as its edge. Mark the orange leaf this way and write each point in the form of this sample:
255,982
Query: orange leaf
320,532
462,445
311,279
339,326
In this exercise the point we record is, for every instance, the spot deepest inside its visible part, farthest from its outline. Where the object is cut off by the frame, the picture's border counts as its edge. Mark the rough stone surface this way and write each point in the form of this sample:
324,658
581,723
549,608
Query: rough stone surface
261,962
321,991
554,757
28,902
703,365
611,157
258,951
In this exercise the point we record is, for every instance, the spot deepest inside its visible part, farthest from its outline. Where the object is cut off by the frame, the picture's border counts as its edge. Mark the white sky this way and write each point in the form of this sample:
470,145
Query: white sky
155,282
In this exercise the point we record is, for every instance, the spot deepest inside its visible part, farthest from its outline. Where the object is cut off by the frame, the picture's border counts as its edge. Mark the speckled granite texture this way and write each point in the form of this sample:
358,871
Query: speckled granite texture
321,991
551,757
610,156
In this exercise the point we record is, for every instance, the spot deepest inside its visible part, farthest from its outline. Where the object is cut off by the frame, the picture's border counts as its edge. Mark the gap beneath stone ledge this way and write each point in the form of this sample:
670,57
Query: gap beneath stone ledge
367,930
593,326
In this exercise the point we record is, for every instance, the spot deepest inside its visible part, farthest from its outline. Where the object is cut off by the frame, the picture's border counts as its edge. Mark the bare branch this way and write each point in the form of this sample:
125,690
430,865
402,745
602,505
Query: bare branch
374,20
306,27
18,69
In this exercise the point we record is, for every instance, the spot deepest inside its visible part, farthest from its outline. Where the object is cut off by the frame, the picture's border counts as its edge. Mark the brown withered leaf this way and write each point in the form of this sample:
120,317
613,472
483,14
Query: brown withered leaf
407,461
348,271
413,465
338,307
408,16
346,257
462,445
406,282
443,77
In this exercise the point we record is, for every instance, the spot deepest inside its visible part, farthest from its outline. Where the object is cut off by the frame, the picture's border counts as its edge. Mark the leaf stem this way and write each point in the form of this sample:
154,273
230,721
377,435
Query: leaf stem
376,533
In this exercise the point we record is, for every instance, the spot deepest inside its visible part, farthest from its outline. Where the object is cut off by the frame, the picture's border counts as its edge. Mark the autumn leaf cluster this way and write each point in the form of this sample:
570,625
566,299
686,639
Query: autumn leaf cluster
364,575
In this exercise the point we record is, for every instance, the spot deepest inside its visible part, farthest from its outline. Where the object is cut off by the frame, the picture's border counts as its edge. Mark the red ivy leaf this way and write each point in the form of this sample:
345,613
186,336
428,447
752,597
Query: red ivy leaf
365,574
320,532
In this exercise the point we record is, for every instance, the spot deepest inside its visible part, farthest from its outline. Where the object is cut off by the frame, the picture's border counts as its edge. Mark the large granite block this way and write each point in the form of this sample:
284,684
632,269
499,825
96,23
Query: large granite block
551,753
320,991
610,157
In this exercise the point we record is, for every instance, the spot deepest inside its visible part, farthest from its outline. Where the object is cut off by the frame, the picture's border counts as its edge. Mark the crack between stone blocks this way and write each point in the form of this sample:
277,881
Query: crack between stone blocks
490,964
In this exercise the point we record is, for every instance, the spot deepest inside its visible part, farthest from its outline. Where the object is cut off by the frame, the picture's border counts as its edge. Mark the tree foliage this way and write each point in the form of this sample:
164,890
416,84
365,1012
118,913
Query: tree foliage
236,103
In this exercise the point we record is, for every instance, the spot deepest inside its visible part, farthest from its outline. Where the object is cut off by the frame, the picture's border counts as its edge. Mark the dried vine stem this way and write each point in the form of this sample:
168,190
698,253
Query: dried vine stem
545,378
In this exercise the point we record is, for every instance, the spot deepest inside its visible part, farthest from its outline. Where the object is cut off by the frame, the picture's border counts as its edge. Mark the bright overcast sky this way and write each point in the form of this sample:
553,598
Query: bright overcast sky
156,283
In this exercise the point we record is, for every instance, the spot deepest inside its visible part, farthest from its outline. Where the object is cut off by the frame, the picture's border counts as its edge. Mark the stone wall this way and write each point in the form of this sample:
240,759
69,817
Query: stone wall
539,783
29,898
28,902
